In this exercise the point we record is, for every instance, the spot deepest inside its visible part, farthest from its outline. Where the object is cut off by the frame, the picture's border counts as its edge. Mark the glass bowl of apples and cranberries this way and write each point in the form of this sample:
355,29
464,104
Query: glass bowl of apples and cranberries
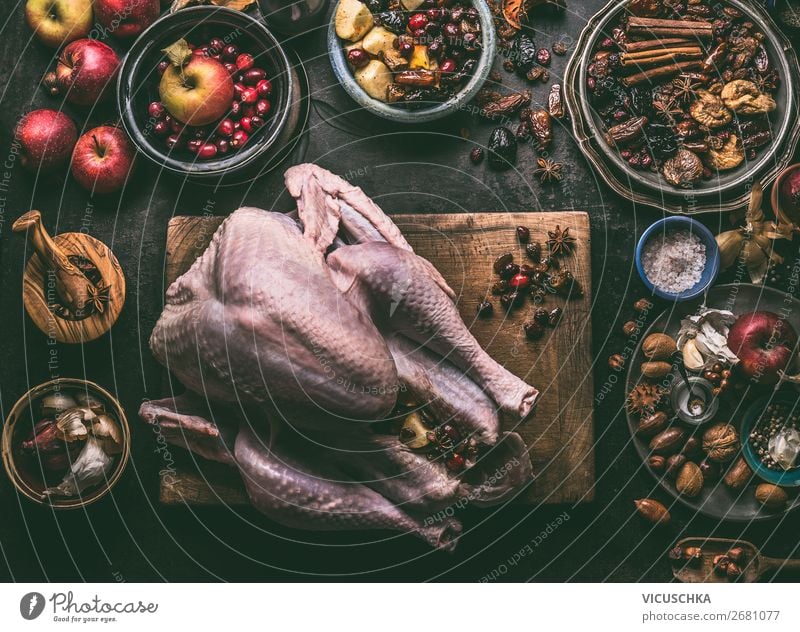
207,92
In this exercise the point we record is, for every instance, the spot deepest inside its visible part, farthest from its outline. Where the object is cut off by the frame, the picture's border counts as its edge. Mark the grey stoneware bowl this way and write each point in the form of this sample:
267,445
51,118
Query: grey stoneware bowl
397,113
727,191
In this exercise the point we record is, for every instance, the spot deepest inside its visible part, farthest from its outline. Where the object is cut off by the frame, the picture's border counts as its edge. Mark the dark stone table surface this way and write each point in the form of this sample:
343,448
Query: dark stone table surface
132,538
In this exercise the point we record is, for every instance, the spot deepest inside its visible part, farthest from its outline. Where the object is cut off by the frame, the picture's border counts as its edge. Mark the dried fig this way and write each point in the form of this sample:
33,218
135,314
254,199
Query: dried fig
744,97
710,110
730,156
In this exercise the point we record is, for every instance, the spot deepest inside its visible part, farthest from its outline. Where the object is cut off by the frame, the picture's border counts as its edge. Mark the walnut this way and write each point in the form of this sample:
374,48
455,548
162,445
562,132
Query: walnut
744,97
683,169
721,442
709,110
729,156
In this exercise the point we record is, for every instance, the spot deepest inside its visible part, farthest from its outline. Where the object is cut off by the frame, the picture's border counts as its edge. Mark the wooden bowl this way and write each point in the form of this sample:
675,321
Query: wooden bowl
26,471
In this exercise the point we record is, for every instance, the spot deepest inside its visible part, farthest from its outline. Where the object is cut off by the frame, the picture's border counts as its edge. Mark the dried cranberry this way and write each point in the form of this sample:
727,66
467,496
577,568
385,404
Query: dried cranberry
543,56
435,48
485,309
447,66
406,48
476,155
357,57
519,281
162,66
455,463
434,15
417,21
452,30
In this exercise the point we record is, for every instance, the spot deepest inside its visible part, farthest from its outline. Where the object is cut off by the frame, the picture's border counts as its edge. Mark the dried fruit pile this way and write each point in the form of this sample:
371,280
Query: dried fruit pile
534,280
684,89
411,53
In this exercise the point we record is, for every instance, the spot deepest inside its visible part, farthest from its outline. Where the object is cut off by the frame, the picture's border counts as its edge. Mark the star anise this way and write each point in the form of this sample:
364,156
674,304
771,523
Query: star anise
548,171
98,296
560,241
684,88
665,108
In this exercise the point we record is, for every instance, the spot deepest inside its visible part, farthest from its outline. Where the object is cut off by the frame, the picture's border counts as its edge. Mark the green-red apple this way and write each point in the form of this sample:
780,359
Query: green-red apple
56,22
199,93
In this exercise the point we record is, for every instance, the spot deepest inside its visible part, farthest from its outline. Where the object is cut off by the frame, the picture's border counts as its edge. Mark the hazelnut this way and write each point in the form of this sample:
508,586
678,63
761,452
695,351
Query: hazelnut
659,346
616,362
720,563
693,556
642,305
656,463
630,328
737,554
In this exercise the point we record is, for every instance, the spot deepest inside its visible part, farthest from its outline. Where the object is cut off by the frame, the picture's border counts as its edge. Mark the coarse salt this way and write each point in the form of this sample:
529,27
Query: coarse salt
674,261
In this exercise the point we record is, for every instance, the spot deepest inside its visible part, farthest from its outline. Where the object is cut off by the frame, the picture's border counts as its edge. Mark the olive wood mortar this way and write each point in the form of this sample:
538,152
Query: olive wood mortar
50,268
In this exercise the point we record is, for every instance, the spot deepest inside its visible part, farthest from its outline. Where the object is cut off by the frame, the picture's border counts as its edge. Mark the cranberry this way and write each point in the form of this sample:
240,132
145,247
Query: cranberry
216,45
625,154
452,30
432,29
419,34
435,49
591,83
471,14
239,138
447,66
244,61
434,15
207,150
176,126
225,127
248,109
256,121
407,48
194,145
471,42
236,108
238,89
543,56
156,110
357,57
162,66
264,88
417,21
223,146
160,128
455,463
231,68
245,123
476,155
620,114
519,281
647,160
253,76
230,52
173,140
249,95
262,107
456,13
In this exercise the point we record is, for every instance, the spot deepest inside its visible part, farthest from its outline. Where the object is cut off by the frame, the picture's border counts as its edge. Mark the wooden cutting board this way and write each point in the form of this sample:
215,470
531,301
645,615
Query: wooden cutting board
463,247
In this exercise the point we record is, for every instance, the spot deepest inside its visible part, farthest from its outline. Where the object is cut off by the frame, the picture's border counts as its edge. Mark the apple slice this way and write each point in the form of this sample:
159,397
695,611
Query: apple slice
353,20
378,40
375,79
411,5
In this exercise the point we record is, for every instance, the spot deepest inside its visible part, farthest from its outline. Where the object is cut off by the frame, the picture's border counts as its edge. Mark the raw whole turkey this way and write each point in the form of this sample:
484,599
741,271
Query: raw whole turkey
307,343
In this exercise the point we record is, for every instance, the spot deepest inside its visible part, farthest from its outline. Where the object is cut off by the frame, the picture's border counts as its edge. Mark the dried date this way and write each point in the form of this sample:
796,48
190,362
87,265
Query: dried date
627,132
555,103
541,128
494,105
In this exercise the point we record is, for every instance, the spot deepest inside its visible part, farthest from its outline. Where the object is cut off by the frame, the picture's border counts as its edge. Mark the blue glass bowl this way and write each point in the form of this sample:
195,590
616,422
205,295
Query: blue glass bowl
783,478
711,270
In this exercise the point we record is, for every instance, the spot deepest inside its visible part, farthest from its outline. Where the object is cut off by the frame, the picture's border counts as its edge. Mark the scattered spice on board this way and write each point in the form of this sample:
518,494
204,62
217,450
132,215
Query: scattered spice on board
675,262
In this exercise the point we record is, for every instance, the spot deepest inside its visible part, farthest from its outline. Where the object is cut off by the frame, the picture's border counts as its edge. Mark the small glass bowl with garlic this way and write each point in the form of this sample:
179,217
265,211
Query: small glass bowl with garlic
66,443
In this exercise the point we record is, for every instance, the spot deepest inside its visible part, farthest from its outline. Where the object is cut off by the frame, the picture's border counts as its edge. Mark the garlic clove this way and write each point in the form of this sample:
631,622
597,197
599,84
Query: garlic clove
71,423
55,403
414,432
692,358
108,433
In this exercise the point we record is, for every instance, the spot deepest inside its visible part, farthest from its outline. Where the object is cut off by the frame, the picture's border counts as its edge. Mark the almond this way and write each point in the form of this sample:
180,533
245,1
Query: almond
690,480
652,510
655,369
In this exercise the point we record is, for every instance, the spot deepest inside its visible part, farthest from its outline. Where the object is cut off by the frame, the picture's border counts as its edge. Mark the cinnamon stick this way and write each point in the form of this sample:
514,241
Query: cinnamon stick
633,47
660,72
649,23
678,50
666,57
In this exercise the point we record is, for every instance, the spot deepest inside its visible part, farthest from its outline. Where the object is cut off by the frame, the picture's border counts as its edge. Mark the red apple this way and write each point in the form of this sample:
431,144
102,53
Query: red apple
764,342
86,71
199,93
56,22
126,18
46,139
103,159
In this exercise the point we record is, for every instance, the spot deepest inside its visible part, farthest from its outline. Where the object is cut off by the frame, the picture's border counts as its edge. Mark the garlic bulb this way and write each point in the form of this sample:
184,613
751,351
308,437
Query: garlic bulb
706,336
71,423
56,403
90,468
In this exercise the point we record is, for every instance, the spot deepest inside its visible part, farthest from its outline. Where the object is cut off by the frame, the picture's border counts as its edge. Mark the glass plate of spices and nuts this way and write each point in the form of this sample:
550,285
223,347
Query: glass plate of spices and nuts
706,421
670,97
